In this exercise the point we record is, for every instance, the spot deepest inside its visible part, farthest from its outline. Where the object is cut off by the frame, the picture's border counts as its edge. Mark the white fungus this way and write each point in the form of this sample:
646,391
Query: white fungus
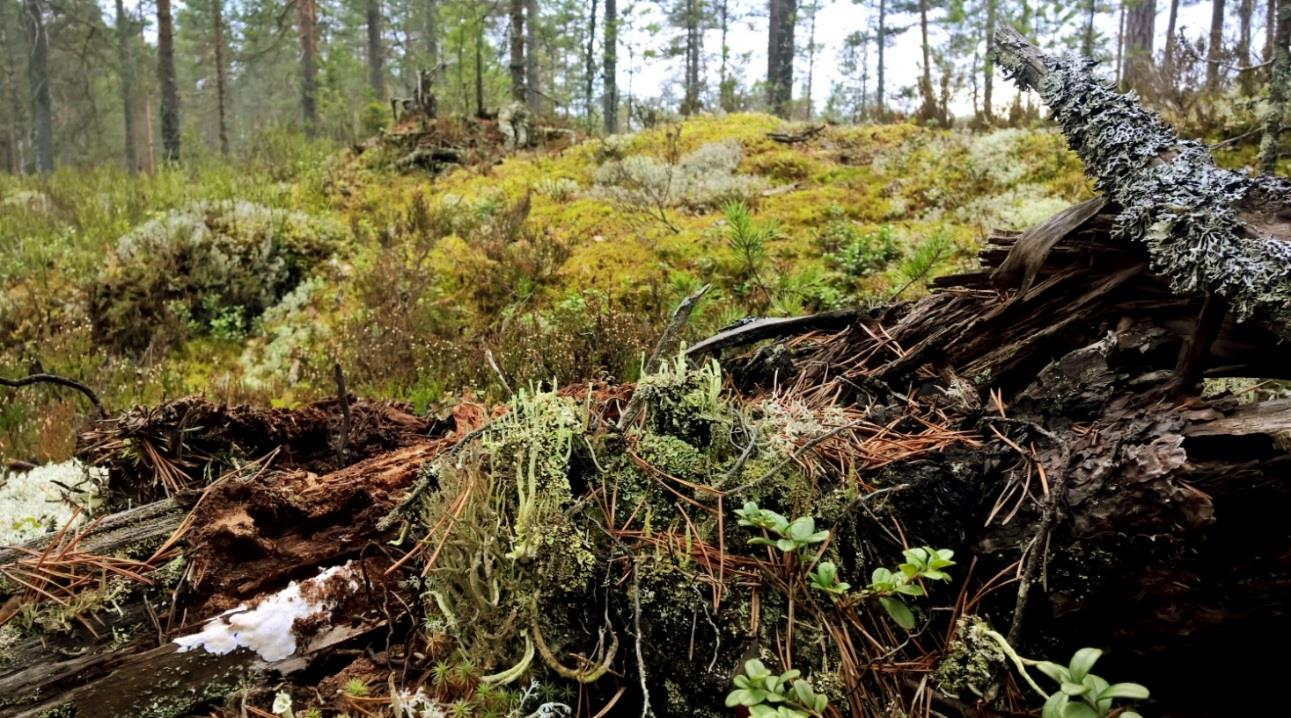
266,627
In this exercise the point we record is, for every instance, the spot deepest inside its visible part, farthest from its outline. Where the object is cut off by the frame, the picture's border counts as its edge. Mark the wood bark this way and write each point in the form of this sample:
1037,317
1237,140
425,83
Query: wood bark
307,26
693,49
589,66
1140,29
610,94
1215,48
1171,42
221,75
780,55
376,50
516,45
42,108
125,61
1274,120
532,80
14,124
168,82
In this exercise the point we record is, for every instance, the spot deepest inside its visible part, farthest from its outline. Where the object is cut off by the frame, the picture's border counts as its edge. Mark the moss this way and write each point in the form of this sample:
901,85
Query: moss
972,661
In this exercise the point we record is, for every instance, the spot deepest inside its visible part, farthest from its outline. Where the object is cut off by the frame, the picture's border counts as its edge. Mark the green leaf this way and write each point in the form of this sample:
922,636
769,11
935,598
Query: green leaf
790,675
827,572
1054,706
1132,691
756,670
803,693
899,612
881,576
1082,662
1129,714
818,537
1054,671
742,682
786,544
916,556
802,528
744,697
1079,710
910,589
1074,689
936,575
760,541
762,711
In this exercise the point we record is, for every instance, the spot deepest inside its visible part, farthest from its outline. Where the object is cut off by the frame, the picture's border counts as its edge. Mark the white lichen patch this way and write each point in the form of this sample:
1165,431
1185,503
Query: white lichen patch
36,502
266,628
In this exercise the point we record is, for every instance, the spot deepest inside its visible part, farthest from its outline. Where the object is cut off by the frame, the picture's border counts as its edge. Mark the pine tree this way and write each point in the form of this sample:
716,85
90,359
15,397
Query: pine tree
168,81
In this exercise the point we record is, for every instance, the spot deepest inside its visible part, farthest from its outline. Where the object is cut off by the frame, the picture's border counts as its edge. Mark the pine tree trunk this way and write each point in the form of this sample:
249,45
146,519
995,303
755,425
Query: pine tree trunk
376,68
431,33
14,127
610,99
1271,145
928,111
38,78
1245,78
879,106
1171,41
308,24
167,80
479,65
221,78
1215,52
1089,35
517,51
811,60
988,65
726,86
531,57
690,104
589,65
126,71
784,15
1140,23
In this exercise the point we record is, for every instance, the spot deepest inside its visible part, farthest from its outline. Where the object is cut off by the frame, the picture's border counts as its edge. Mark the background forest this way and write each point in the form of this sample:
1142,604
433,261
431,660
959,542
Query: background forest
205,195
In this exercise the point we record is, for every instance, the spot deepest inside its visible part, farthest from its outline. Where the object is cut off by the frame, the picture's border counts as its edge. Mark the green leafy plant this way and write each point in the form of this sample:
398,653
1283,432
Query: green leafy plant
791,536
889,586
768,695
825,578
1080,694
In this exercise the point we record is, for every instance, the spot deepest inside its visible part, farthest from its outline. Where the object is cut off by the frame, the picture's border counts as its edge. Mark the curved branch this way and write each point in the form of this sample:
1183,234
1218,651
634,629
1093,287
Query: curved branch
44,378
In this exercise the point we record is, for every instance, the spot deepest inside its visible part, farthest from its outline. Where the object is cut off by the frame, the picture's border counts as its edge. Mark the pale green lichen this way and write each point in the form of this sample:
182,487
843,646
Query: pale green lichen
37,502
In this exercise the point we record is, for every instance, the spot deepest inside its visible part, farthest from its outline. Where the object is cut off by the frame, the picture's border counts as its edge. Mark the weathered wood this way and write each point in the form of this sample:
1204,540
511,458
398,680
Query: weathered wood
146,525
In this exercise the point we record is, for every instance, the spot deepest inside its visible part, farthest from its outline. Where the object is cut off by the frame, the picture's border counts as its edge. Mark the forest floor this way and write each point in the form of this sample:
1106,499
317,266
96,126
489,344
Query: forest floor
559,264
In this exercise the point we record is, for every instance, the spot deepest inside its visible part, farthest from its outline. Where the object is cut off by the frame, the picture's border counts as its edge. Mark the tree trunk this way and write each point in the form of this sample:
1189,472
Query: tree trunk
1120,48
479,65
1089,36
1215,52
1271,144
726,84
517,51
1245,78
42,112
307,12
221,79
690,103
589,65
1140,24
531,58
929,110
610,98
168,82
783,18
431,34
811,61
376,52
880,108
125,59
1171,40
13,95
988,65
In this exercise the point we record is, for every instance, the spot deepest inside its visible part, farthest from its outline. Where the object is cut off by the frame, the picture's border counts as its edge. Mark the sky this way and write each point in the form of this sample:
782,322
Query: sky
839,18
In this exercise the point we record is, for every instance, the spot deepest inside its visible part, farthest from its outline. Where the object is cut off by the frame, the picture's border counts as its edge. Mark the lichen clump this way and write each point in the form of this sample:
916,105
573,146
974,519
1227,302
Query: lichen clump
972,661
42,500
208,268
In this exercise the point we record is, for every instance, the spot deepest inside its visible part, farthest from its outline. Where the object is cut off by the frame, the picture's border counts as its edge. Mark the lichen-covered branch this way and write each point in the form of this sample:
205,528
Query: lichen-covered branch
1205,227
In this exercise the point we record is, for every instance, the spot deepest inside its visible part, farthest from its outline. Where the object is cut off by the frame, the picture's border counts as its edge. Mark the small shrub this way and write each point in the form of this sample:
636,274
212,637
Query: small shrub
210,268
